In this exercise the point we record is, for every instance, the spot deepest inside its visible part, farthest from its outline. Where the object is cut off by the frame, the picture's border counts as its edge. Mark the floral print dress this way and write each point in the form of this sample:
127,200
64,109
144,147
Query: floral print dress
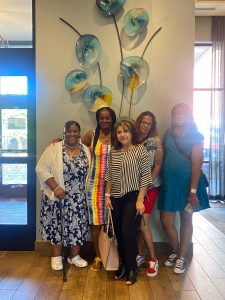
75,219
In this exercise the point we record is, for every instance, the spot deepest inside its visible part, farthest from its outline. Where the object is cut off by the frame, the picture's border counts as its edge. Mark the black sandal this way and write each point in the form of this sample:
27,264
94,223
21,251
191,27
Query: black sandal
131,277
120,273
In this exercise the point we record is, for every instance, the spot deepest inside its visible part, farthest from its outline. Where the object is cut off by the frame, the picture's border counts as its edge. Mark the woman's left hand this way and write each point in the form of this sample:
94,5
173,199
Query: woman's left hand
193,199
140,206
108,202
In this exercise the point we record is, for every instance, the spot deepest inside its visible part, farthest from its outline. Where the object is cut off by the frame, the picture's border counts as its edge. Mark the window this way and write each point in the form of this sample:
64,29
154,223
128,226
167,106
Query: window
202,92
13,85
13,132
15,174
17,126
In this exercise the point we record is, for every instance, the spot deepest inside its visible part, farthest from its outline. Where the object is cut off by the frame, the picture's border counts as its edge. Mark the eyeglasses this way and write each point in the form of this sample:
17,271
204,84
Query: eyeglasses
146,123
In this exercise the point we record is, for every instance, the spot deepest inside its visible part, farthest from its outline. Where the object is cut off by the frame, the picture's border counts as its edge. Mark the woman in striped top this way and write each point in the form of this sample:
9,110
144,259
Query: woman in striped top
127,176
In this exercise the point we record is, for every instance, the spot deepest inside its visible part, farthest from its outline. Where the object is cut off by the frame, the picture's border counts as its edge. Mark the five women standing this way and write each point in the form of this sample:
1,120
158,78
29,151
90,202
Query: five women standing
133,163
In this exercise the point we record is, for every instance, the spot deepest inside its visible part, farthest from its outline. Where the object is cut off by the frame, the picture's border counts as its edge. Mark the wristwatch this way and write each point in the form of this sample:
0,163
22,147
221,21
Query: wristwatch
193,191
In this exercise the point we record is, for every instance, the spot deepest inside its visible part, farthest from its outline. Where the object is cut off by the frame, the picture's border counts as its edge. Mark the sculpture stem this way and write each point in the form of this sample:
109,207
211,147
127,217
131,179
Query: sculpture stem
61,19
121,53
123,87
151,38
131,99
118,35
67,23
100,74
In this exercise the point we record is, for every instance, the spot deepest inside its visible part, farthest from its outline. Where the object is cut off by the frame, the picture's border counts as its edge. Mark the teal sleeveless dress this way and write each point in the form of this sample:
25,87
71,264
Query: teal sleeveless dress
176,173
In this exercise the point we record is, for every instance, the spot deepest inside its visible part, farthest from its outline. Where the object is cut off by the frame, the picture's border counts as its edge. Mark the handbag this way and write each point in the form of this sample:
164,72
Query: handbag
205,179
108,248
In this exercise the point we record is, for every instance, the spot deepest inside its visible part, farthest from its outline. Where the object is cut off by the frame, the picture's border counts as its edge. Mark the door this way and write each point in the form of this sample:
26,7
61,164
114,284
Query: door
17,151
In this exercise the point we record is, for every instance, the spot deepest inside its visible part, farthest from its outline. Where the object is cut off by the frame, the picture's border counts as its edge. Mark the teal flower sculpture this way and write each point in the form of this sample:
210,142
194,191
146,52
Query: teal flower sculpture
135,71
75,80
110,7
135,21
97,96
88,50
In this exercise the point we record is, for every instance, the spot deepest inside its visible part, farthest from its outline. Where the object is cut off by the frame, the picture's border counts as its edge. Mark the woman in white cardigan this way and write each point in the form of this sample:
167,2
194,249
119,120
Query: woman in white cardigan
62,171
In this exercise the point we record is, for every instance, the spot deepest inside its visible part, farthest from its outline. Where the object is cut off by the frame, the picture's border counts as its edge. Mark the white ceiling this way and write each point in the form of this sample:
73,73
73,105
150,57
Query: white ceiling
209,8
16,16
16,20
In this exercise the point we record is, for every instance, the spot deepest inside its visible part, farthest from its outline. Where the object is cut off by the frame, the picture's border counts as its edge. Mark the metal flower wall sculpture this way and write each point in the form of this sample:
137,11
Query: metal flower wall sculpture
134,69
88,52
75,80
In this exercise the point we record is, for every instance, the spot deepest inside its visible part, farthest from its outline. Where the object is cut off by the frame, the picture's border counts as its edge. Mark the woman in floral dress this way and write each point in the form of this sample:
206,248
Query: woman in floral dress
62,171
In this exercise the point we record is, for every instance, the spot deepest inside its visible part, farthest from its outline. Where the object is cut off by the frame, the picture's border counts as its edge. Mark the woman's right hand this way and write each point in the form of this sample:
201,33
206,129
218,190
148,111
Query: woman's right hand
59,193
108,202
193,199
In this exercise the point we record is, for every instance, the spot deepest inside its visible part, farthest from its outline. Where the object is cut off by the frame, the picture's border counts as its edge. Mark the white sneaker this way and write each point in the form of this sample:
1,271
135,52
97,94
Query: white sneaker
171,260
140,260
179,266
56,263
77,261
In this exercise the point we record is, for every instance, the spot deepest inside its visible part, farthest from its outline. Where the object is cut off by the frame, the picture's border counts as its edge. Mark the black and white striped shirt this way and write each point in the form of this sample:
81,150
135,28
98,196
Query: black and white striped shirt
128,171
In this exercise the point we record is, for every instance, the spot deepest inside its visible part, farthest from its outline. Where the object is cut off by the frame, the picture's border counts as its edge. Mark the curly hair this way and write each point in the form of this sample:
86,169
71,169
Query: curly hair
97,129
153,129
131,127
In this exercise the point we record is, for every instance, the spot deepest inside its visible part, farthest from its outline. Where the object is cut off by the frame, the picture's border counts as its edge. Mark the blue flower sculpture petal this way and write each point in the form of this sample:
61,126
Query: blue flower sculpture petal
97,96
135,21
75,80
88,49
110,7
135,71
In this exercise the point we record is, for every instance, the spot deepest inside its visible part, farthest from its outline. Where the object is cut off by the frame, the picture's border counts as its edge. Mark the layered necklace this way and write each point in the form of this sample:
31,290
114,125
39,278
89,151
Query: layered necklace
72,147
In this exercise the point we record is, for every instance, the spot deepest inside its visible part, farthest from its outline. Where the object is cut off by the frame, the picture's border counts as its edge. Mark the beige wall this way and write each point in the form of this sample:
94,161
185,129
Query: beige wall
203,28
170,57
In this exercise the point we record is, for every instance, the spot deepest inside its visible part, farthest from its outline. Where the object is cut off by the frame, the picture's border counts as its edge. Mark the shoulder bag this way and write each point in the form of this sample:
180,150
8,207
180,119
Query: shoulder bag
108,245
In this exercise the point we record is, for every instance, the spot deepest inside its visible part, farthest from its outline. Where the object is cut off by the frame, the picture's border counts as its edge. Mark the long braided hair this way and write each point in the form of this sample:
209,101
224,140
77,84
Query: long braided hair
97,129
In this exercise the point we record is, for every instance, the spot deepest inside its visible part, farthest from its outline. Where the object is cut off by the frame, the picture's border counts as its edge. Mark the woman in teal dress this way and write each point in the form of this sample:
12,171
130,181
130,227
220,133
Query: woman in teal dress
183,185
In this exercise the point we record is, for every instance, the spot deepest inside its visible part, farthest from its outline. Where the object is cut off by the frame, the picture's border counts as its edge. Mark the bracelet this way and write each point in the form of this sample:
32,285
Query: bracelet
58,187
193,191
107,195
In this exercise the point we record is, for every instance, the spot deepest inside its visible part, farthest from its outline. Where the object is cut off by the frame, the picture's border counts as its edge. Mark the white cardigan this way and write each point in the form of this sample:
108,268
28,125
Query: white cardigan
50,165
